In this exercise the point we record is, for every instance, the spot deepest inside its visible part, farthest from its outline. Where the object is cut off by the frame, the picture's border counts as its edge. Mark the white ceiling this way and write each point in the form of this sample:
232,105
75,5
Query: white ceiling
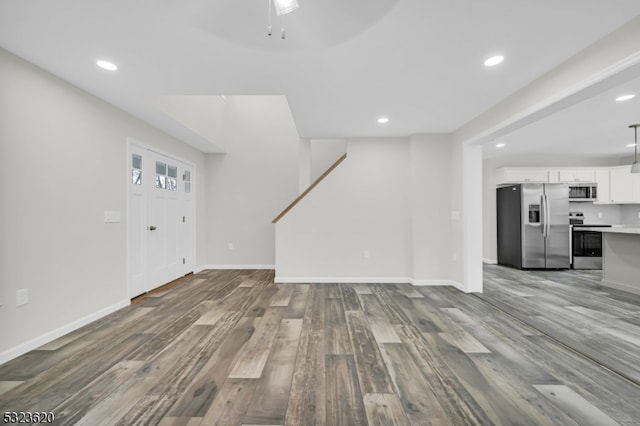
343,64
597,127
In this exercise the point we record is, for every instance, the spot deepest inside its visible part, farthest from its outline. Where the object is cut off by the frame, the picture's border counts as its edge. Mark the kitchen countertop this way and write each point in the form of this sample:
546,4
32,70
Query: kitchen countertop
618,230
612,229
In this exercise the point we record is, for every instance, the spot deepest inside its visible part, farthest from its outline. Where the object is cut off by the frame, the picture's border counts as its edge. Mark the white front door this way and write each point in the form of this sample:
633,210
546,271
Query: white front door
136,220
161,221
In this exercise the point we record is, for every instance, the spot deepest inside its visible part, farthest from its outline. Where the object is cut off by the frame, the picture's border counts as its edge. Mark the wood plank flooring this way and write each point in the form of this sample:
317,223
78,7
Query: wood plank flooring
232,348
572,307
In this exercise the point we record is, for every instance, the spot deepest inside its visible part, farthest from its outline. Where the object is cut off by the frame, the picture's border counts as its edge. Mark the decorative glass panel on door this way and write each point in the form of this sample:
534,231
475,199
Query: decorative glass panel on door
172,180
136,169
187,181
161,172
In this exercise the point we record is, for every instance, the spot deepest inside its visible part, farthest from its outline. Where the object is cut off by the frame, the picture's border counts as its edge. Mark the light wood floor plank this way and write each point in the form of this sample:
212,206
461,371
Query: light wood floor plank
231,404
269,403
581,410
384,409
256,352
418,399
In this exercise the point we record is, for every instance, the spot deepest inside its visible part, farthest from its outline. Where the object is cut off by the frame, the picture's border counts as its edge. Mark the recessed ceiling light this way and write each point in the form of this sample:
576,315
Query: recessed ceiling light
383,120
109,66
500,145
631,145
625,97
493,61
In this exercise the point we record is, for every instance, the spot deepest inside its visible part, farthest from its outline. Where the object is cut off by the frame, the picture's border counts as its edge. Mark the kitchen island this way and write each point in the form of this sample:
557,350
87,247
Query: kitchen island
621,258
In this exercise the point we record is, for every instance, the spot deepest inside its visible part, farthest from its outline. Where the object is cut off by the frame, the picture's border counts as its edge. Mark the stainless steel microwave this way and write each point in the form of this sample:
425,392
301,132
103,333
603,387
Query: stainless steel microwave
583,192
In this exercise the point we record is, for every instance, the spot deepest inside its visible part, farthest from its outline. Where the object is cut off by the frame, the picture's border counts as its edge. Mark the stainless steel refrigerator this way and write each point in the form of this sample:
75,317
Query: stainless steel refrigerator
533,225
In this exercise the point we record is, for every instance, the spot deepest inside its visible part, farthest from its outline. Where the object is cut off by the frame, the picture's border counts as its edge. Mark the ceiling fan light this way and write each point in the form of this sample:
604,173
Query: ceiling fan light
285,6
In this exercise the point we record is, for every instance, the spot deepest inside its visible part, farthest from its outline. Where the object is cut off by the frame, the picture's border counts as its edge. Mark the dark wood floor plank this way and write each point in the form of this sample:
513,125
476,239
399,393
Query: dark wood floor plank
420,403
203,388
50,388
372,372
269,403
344,400
336,334
133,387
454,398
307,400
350,300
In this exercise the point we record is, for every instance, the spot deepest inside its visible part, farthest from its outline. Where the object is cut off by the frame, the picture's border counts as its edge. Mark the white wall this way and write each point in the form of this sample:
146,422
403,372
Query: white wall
391,198
362,205
430,159
630,214
63,162
252,182
325,152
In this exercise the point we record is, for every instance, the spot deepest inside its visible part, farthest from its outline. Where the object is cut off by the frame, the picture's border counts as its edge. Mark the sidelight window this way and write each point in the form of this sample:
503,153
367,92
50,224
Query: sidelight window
187,181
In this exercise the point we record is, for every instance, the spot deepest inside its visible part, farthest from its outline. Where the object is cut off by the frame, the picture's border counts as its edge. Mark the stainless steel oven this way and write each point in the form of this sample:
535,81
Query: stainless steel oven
586,246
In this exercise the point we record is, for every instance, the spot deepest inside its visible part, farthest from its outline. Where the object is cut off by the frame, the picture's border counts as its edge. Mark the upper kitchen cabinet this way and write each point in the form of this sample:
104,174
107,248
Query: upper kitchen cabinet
576,175
624,186
508,175
603,180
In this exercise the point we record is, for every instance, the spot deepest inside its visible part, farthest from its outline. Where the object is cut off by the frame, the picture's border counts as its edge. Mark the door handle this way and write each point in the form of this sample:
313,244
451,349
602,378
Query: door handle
152,228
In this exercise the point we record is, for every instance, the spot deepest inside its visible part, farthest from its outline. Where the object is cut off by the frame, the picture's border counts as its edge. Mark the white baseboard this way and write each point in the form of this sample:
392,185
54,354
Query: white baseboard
490,261
431,283
43,339
345,280
205,267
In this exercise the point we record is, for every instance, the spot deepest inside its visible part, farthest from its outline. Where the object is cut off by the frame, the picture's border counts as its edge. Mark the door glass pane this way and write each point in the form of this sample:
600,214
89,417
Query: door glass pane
187,187
187,176
161,181
173,171
161,168
172,184
136,161
136,177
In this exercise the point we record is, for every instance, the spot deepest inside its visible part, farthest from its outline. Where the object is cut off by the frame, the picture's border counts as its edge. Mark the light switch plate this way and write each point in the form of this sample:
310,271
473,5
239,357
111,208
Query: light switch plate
111,216
22,297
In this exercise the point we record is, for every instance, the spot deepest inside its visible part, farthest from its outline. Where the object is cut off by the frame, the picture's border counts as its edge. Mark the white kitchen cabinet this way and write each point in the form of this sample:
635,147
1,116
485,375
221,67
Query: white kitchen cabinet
623,188
576,175
604,186
507,175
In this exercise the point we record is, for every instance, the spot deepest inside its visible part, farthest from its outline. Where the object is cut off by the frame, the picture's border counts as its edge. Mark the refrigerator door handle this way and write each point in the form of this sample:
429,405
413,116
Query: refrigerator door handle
543,216
547,216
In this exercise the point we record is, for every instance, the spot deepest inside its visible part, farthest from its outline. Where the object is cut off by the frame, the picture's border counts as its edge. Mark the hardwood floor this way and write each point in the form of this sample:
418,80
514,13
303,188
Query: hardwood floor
232,348
572,307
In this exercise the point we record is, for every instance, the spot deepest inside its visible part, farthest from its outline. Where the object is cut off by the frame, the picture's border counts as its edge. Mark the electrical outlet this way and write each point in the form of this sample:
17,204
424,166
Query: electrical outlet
230,246
638,215
455,256
599,215
365,254
22,297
